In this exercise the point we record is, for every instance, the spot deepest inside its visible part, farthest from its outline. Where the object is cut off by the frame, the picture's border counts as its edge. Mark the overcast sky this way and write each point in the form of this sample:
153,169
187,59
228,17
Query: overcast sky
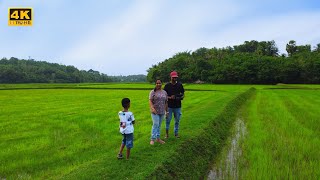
123,37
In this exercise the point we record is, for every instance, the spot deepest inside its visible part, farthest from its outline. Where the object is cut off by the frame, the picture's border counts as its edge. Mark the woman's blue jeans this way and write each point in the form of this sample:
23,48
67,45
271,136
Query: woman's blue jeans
157,120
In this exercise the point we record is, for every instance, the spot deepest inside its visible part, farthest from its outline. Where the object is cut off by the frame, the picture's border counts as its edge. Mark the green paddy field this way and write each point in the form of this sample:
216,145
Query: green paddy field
70,131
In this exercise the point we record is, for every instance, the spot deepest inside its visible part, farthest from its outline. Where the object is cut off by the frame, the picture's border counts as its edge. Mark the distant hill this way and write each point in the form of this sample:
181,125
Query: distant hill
16,70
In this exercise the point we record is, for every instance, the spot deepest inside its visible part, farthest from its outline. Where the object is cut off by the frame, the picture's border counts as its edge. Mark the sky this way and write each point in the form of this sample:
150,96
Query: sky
126,37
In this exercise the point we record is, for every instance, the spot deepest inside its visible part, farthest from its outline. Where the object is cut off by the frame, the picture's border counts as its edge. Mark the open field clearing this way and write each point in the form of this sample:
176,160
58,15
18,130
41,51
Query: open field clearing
73,133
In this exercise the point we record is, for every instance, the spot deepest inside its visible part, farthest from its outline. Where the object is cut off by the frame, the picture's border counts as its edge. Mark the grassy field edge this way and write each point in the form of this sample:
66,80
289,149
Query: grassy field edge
192,157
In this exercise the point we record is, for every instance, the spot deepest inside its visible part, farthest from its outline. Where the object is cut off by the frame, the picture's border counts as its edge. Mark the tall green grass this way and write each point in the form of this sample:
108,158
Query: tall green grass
283,140
73,133
70,131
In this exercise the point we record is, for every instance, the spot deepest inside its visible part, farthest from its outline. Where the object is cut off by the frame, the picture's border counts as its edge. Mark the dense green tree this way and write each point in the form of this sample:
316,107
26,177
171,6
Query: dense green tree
252,62
31,71
317,48
291,47
304,48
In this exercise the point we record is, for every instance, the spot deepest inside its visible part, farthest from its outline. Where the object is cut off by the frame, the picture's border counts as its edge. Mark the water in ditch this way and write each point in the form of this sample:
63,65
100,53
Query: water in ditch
226,166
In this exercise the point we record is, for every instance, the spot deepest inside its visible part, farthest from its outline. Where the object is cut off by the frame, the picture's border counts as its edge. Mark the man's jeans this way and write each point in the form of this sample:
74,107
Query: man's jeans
177,115
157,119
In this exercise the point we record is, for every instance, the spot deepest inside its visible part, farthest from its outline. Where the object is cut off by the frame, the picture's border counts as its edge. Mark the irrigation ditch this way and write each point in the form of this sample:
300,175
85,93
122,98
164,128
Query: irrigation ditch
226,165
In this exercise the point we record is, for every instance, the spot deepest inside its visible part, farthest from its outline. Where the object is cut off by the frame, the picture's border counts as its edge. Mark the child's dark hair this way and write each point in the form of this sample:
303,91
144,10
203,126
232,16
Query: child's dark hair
125,102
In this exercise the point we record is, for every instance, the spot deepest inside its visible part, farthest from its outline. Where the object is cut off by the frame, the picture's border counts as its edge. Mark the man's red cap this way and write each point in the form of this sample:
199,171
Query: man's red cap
173,74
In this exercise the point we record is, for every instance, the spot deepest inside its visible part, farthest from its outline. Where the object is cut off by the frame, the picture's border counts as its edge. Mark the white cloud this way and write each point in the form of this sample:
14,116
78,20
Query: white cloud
146,34
112,43
299,26
149,31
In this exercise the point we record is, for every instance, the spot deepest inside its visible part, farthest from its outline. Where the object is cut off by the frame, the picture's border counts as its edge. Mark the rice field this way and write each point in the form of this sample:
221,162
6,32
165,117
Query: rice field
283,139
276,136
70,131
56,133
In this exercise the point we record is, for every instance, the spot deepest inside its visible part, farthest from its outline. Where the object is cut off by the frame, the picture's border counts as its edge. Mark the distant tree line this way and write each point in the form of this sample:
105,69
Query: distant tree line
252,62
129,78
14,70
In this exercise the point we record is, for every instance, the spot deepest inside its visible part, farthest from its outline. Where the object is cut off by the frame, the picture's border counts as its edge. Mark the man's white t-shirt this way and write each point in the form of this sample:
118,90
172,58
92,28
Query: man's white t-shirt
127,118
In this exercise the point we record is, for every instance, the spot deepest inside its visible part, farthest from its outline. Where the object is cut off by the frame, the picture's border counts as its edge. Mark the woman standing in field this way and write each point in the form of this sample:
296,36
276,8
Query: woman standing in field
158,106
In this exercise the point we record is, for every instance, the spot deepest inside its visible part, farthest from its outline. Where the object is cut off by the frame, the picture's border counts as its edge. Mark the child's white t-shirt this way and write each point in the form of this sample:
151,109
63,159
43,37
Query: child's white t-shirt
127,118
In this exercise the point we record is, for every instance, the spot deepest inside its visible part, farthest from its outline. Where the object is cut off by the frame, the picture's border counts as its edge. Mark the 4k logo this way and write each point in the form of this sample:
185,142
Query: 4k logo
20,17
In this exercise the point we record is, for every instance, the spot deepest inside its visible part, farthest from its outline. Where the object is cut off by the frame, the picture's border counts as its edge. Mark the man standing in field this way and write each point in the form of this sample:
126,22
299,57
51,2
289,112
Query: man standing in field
175,93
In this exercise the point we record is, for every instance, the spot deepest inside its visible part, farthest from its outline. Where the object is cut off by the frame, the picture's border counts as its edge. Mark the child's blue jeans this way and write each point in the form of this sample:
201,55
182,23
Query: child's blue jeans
128,140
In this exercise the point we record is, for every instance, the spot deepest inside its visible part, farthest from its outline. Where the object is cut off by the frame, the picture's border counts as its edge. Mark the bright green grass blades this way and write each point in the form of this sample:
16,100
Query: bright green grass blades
283,135
73,133
70,131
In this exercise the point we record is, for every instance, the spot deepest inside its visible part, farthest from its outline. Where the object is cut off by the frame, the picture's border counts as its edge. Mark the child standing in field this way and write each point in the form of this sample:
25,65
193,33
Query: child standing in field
126,127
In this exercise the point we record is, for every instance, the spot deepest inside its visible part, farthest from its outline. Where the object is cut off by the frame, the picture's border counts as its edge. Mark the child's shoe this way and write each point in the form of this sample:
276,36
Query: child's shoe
120,156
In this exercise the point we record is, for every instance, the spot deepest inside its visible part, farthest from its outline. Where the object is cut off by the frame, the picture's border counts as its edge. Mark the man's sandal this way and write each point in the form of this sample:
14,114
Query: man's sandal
160,141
